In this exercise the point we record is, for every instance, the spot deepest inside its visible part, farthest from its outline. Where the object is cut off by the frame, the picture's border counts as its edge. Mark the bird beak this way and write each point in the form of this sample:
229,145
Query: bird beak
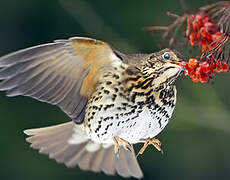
183,69
175,62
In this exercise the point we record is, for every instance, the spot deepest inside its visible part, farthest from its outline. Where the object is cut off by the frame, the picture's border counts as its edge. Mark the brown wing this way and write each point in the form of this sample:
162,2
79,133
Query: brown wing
62,73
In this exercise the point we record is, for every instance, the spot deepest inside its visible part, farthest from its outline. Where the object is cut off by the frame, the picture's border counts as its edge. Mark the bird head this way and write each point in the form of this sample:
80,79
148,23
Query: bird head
163,66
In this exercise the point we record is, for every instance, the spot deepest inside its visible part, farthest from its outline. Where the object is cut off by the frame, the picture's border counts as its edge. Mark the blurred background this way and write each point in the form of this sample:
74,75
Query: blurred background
196,142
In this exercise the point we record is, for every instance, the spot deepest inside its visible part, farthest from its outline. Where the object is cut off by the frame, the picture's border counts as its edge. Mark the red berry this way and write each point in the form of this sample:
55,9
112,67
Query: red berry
218,66
196,25
202,31
212,66
183,64
203,78
198,71
193,38
202,18
211,28
205,35
191,72
205,67
204,45
199,16
195,78
192,64
225,66
206,19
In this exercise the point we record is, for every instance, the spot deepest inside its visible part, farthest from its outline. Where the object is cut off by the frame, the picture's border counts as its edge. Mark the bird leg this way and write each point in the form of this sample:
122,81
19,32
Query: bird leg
124,143
155,142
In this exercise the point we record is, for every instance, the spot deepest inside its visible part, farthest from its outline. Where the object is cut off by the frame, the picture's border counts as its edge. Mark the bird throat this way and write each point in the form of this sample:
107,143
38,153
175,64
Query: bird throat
140,89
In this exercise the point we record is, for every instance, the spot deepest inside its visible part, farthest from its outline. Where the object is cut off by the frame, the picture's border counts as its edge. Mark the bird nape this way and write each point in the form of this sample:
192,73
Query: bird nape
113,100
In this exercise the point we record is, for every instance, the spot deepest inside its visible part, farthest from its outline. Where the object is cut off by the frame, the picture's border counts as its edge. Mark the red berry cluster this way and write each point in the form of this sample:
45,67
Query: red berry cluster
202,71
201,30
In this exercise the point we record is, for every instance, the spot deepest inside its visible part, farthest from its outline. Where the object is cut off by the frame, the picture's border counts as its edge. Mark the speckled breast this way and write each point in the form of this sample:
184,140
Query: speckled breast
110,114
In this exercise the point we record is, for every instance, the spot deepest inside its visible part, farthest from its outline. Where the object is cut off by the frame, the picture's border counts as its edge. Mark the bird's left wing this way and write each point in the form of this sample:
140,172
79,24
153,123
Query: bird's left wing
63,73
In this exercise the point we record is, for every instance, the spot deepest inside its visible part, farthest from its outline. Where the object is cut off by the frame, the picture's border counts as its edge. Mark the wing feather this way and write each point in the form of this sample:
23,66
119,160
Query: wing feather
64,73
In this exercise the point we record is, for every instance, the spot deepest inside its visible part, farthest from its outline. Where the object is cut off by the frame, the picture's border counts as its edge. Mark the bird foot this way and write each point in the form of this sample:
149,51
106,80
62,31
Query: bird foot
126,145
155,142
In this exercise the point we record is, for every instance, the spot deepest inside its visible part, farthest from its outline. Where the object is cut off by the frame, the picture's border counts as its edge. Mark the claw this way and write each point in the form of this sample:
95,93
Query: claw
155,142
116,145
126,145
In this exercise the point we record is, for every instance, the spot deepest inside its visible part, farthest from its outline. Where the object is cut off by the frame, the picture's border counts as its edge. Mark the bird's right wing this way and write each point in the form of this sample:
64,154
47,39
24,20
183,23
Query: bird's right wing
64,73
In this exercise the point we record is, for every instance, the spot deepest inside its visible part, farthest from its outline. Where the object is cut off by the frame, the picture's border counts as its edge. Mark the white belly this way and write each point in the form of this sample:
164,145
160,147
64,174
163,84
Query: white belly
141,124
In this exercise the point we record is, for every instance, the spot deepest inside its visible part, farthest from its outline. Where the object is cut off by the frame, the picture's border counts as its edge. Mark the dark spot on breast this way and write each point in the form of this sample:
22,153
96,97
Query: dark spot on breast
124,104
100,107
161,94
106,91
114,97
108,82
95,107
159,122
141,103
127,120
156,106
98,128
118,124
106,119
121,94
122,67
116,89
134,117
107,106
115,76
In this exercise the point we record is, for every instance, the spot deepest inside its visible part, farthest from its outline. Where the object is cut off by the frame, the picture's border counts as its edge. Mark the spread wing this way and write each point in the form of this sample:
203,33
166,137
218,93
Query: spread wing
63,73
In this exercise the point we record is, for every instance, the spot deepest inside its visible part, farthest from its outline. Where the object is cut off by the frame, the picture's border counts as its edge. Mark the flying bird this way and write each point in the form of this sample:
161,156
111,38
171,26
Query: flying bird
114,99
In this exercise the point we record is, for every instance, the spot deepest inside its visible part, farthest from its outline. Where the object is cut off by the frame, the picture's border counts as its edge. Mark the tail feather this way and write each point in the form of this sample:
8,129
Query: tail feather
121,165
132,163
52,148
65,153
108,166
58,142
77,157
84,163
97,161
49,130
45,141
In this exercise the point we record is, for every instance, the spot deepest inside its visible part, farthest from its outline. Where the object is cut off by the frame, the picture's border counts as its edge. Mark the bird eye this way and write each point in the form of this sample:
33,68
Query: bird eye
166,55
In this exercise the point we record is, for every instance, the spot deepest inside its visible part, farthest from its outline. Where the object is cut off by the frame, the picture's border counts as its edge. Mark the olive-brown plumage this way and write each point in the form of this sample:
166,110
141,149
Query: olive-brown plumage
113,99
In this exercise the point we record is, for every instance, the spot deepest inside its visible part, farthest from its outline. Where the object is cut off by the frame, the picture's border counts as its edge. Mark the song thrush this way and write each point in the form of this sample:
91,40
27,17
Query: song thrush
113,99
